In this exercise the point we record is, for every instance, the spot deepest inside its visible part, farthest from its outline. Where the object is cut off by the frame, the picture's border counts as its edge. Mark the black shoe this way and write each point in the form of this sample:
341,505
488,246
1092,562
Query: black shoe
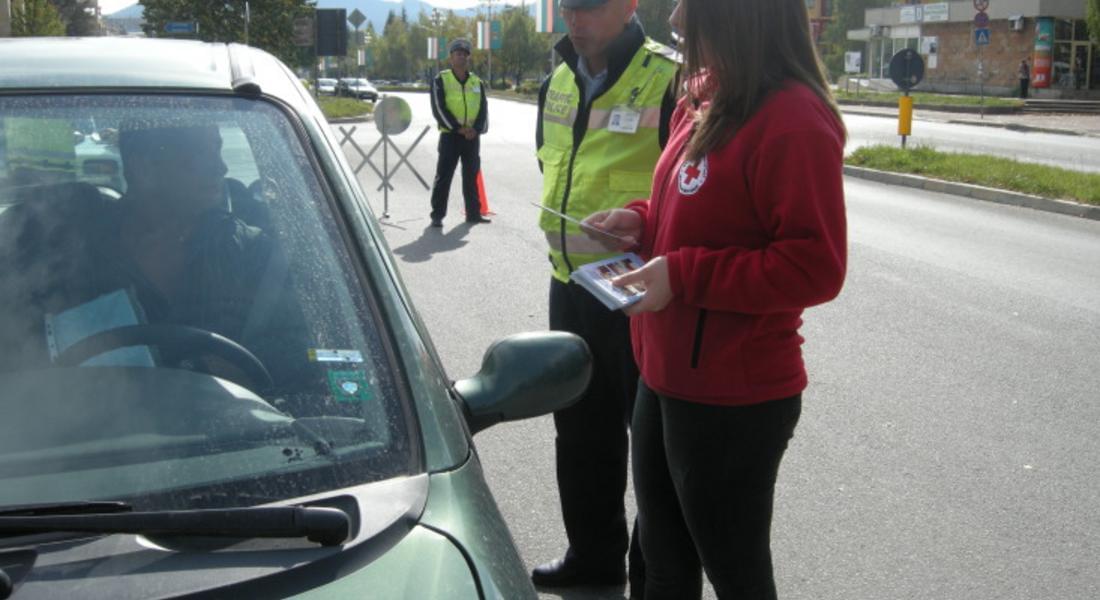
476,220
437,223
570,572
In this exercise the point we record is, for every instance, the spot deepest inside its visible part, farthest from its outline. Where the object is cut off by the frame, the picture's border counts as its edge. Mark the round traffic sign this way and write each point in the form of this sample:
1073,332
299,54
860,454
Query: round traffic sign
392,115
906,69
981,5
981,20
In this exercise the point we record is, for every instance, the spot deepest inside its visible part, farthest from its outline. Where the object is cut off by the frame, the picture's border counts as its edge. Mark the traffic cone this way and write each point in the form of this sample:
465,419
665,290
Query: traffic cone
481,196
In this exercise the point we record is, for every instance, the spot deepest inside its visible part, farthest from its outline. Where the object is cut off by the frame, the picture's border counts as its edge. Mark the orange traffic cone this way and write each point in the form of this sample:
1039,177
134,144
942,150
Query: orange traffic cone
481,196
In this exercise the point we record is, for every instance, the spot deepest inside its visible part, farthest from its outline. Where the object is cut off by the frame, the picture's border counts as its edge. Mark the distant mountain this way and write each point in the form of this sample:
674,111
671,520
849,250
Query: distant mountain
376,11
130,12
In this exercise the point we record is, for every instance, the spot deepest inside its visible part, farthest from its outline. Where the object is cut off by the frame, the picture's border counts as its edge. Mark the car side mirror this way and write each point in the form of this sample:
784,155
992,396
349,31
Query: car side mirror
526,375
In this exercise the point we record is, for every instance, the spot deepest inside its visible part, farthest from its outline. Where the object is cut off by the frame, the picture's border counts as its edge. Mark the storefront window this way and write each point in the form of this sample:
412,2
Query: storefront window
1081,31
1062,72
1063,29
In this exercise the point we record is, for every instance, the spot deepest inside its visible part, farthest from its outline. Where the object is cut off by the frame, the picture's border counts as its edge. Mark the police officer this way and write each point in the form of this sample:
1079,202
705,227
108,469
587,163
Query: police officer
459,107
603,119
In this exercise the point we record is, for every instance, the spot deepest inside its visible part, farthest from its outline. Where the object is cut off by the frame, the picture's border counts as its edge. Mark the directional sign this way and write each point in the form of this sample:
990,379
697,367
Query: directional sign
981,37
981,20
178,27
356,18
906,69
981,5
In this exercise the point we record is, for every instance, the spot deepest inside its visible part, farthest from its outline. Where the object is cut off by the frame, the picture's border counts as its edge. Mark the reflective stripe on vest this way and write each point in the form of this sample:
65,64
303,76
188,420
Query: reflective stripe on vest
608,169
463,101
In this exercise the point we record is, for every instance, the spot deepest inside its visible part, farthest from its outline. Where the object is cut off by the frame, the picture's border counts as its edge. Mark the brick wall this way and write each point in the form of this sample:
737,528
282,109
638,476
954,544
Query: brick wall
957,68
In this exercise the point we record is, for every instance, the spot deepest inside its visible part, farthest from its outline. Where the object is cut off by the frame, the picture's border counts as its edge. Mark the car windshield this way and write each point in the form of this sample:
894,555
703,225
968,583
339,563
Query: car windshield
182,324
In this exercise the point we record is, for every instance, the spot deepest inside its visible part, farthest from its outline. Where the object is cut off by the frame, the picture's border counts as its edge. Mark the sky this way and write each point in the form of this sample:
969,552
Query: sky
109,6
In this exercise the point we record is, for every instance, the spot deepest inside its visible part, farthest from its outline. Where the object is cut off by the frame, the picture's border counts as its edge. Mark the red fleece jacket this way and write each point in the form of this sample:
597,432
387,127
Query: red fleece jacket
753,234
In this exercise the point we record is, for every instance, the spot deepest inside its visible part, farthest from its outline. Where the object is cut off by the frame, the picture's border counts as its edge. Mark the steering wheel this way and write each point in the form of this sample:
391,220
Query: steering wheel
176,342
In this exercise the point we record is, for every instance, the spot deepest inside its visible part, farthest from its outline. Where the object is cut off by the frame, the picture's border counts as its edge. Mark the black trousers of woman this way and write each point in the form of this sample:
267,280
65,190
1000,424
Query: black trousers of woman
704,477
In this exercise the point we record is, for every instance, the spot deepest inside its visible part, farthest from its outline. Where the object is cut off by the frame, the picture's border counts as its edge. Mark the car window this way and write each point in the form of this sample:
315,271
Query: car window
183,325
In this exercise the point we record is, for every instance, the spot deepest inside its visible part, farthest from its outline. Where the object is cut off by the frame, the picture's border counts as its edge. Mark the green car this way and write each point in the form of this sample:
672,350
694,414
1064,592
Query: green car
213,382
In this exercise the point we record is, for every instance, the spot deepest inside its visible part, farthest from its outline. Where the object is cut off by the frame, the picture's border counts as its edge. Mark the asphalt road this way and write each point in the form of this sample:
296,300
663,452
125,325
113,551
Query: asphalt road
948,446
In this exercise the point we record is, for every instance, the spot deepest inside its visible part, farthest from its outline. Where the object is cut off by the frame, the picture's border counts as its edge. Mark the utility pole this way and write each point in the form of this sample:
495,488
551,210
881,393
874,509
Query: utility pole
489,37
437,20
247,18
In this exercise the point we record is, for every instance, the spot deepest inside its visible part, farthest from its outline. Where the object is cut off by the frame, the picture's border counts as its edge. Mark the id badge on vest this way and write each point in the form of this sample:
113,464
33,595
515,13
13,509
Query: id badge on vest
624,120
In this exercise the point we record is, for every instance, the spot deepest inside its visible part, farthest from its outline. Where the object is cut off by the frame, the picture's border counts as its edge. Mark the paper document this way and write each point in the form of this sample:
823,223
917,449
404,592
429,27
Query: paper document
584,226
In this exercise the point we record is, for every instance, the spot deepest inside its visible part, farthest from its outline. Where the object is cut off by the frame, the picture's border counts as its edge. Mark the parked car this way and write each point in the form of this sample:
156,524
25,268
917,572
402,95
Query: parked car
357,88
326,86
214,382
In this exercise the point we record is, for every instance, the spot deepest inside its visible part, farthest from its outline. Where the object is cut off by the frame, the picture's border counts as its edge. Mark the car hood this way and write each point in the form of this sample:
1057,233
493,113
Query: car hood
384,519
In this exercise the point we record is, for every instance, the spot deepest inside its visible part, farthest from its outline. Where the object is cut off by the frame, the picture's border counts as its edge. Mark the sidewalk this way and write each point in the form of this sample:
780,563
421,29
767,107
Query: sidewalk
1067,124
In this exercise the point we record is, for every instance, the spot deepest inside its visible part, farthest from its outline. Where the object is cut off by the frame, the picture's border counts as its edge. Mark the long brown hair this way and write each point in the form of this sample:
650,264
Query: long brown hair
747,49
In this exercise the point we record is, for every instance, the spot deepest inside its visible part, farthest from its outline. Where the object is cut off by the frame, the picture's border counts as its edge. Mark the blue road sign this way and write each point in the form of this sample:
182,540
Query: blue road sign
181,27
981,37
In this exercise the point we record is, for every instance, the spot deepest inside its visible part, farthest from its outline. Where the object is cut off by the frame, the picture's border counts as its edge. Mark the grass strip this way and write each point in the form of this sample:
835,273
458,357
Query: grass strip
926,99
339,108
982,169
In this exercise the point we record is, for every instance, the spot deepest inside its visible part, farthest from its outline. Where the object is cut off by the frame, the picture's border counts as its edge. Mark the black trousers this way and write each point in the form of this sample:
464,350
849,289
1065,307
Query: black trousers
705,478
452,148
1024,83
592,444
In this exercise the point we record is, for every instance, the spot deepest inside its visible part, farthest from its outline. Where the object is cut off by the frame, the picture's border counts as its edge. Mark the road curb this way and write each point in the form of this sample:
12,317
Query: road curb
1010,126
977,192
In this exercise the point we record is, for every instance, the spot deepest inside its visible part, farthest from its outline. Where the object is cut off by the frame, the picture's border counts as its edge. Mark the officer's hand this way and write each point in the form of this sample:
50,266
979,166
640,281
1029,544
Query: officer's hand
653,276
624,227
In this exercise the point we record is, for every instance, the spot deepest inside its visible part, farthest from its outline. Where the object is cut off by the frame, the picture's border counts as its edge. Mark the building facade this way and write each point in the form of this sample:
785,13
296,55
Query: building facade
966,50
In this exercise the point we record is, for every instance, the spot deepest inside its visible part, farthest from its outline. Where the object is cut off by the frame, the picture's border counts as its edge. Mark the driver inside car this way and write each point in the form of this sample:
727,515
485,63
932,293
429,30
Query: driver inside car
169,251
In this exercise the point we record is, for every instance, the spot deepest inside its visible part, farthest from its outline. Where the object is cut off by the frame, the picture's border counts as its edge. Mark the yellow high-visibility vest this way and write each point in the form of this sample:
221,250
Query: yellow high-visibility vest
613,164
464,101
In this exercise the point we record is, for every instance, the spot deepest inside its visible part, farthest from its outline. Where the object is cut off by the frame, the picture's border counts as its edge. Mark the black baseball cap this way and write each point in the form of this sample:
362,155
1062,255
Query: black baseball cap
459,44
582,3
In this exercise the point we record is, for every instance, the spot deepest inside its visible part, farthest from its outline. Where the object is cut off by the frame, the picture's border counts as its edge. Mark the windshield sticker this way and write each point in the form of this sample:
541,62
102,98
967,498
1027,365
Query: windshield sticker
349,386
338,356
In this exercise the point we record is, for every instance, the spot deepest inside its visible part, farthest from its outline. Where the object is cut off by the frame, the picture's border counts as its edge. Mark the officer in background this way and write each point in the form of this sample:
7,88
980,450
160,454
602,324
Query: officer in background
603,119
460,109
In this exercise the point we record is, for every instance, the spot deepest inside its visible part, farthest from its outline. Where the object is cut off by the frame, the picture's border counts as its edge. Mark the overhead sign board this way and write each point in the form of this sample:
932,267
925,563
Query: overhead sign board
938,12
181,27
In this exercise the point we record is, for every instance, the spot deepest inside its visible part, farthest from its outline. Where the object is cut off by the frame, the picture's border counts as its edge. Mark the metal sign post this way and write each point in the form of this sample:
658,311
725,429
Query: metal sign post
392,116
906,71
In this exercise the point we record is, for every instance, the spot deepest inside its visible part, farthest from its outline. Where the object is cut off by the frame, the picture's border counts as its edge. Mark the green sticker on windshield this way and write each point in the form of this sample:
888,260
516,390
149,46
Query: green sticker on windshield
349,386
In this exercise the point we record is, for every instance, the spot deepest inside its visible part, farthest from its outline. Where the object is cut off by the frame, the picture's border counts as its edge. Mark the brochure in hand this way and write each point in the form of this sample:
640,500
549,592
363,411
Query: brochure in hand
596,278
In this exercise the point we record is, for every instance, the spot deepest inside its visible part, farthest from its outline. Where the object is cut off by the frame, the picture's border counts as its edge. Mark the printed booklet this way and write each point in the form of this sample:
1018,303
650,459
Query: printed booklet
596,278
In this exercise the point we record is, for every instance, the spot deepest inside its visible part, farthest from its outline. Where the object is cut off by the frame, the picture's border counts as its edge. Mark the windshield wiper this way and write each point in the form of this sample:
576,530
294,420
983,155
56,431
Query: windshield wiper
325,526
64,508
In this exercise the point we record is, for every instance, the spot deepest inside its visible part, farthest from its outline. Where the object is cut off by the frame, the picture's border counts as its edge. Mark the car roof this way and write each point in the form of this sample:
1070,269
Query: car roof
117,62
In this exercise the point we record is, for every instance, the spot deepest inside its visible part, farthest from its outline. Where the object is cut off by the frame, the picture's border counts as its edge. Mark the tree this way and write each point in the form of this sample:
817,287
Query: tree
521,49
76,17
36,18
654,17
847,15
269,28
1092,17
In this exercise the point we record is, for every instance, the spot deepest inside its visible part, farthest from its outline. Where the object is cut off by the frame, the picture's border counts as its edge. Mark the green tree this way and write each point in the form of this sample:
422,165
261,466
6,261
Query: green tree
269,28
847,15
1092,17
654,17
76,17
522,50
36,18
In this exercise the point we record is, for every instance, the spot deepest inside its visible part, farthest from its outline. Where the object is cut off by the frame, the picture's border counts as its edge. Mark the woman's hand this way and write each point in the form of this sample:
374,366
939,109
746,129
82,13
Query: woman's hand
624,227
653,276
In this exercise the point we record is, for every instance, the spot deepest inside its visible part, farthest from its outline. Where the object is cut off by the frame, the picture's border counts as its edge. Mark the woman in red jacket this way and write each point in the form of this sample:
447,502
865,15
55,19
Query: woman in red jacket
744,230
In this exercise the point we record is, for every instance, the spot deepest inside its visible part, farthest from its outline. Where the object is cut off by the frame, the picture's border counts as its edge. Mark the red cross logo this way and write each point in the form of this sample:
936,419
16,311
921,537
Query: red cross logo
692,176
